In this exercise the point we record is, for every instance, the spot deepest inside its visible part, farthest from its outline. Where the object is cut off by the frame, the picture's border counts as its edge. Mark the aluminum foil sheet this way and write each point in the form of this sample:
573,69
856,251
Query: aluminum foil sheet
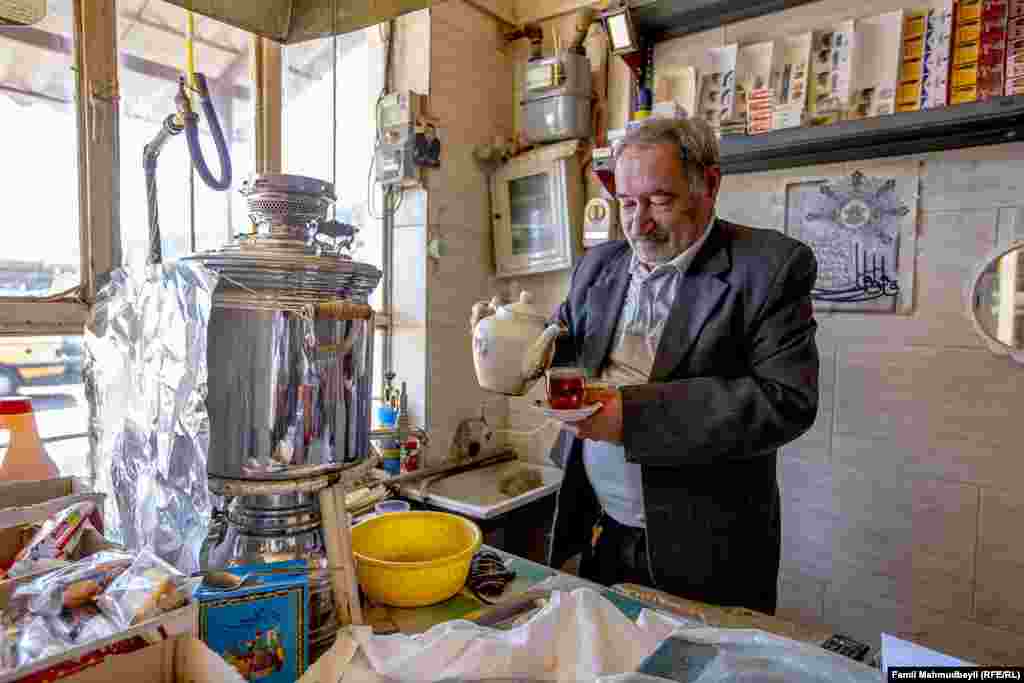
145,373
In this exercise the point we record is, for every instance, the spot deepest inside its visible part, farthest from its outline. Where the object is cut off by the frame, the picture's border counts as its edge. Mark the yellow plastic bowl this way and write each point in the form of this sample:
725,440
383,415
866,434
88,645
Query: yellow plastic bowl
412,559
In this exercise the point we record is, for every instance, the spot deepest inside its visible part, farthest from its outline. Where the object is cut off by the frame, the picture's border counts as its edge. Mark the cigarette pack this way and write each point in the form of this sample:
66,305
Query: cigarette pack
831,78
908,92
877,71
935,75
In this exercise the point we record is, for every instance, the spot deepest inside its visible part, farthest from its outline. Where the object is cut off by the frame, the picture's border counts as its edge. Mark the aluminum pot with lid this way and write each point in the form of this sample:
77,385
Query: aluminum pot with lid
290,340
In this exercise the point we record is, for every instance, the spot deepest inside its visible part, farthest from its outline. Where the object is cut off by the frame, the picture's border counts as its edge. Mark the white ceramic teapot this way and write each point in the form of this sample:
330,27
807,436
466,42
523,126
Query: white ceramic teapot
512,345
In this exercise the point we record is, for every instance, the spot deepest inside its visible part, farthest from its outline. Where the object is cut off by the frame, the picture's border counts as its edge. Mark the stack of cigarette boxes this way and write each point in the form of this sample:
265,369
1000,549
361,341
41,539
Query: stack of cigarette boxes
963,80
992,53
935,78
760,108
979,50
924,65
908,93
831,73
1015,49
791,92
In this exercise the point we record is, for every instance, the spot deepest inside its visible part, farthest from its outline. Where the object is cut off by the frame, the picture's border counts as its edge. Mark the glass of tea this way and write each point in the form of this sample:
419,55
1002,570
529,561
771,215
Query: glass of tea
566,388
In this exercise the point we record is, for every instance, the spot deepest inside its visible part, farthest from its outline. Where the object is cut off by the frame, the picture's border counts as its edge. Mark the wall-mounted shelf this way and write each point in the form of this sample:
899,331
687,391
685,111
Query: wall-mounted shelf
966,125
658,20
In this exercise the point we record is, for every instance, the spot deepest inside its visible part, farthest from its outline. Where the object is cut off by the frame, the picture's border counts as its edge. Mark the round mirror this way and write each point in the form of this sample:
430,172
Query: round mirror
997,301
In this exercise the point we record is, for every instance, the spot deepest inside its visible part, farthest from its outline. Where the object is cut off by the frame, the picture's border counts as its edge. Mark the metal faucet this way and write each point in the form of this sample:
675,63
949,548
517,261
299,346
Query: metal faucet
403,425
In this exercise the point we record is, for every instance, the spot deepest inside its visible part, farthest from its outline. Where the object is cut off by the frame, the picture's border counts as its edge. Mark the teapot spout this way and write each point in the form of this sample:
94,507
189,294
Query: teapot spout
540,354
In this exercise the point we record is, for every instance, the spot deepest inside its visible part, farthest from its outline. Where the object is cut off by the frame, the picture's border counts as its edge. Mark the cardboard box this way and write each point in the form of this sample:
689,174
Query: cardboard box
938,46
678,84
177,622
963,76
30,503
1015,65
792,86
758,69
26,502
787,116
831,79
979,50
992,49
911,68
718,86
761,111
183,659
925,59
263,630
877,70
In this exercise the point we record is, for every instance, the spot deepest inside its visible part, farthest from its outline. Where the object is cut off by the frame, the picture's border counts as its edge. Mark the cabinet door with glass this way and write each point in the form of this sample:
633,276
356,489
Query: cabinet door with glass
535,201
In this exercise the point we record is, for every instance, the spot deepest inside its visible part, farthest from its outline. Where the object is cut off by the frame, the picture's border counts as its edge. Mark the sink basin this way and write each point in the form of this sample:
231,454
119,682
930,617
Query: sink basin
476,493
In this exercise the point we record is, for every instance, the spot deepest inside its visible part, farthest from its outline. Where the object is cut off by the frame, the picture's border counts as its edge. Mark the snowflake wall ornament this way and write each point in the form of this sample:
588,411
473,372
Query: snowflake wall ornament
853,225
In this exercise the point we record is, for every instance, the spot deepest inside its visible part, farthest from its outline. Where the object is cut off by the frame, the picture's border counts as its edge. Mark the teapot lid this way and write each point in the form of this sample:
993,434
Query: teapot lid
525,307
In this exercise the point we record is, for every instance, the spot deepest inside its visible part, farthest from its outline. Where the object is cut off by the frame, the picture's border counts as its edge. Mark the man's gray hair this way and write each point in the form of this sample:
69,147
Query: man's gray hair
697,143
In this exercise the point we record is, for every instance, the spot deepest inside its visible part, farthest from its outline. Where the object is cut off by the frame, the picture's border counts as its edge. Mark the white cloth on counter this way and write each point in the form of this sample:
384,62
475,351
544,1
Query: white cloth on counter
578,636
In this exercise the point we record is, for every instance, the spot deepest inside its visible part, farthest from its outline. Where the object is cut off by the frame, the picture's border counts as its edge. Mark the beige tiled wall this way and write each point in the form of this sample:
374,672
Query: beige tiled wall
902,505
411,70
471,94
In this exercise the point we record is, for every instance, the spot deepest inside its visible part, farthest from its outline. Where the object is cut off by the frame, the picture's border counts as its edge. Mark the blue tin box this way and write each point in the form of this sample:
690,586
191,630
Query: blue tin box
261,629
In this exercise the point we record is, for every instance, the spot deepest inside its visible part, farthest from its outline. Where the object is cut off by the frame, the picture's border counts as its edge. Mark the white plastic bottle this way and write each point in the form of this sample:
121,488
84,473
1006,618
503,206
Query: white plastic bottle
26,458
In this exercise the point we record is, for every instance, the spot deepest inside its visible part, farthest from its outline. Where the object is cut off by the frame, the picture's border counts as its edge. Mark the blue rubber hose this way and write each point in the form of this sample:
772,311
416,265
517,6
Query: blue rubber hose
191,121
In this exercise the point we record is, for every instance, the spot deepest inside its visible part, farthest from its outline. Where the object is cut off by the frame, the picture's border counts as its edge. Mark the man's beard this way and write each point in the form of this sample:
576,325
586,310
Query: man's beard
656,247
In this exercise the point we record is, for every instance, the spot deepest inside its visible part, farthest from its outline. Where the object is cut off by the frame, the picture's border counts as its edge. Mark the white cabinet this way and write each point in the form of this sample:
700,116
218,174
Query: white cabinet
537,211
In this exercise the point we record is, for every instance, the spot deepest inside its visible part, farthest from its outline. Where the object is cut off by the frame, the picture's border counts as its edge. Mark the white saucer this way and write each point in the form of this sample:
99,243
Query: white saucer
574,415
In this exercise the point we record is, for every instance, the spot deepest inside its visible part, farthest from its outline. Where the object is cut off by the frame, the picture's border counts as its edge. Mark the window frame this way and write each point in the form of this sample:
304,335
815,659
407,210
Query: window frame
95,65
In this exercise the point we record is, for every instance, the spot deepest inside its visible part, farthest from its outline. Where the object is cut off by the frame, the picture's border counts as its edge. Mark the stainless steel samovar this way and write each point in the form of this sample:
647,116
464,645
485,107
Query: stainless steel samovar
290,377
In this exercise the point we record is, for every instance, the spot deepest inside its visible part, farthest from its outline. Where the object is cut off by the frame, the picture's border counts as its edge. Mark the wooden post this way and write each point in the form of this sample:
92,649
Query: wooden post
345,526
335,556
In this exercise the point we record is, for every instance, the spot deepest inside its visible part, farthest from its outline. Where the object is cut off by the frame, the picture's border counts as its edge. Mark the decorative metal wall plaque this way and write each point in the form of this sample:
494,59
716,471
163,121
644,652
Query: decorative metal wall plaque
855,226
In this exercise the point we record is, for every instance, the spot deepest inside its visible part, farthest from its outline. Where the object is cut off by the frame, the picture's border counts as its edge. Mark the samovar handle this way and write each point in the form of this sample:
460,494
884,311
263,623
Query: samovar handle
343,309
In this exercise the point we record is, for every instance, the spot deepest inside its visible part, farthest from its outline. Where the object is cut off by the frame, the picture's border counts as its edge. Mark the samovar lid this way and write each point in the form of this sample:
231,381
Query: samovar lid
284,182
282,254
310,275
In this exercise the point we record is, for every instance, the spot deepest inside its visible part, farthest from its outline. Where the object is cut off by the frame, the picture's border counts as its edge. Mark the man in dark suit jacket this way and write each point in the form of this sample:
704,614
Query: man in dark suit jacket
706,328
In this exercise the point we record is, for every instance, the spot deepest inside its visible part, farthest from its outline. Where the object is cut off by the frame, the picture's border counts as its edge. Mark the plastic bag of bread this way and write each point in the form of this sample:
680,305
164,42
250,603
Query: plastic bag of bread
147,588
76,585
56,539
8,647
82,624
36,640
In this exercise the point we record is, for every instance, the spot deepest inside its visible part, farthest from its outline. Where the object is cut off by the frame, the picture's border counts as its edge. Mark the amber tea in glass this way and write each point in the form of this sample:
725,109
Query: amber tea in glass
566,388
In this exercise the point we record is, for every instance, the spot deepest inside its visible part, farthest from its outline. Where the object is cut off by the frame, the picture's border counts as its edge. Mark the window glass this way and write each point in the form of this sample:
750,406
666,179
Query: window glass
307,117
152,58
49,369
39,177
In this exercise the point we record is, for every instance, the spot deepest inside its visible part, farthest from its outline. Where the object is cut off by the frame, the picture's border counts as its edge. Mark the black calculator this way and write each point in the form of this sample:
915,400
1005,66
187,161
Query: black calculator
847,646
